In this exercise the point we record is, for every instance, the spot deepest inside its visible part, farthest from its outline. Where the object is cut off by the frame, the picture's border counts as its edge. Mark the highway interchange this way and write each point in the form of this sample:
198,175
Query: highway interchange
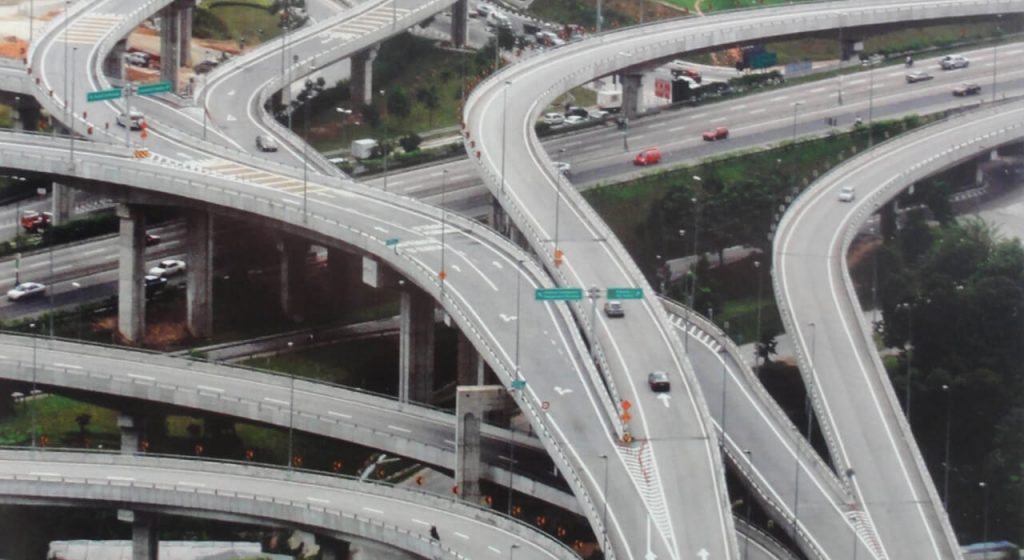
575,234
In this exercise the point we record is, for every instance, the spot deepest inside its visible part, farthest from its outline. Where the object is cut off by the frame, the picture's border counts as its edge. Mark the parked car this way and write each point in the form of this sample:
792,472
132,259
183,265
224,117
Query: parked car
649,156
554,119
658,380
613,308
484,9
953,61
597,114
718,133
578,111
137,58
133,119
266,143
966,88
34,221
847,194
168,267
918,76
575,119
154,284
152,240
26,290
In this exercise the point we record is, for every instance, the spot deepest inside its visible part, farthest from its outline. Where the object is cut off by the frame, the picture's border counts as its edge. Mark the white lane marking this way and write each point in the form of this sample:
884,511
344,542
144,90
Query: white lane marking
318,500
143,377
420,522
380,229
93,251
855,82
36,473
208,388
449,442
456,268
779,98
66,366
676,128
637,136
124,478
398,429
278,401
195,484
818,90
460,535
697,116
756,111
232,92
341,414
665,398
744,106
497,265
231,118
494,550
507,318
371,510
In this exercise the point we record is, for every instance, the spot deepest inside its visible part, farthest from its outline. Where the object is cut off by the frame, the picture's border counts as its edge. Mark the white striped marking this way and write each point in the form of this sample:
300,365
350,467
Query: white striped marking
397,429
66,366
332,413
143,377
208,388
318,500
371,510
278,401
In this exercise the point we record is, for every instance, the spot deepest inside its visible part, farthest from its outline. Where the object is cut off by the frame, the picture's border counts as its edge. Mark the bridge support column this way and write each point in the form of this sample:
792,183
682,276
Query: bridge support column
362,549
199,274
145,536
185,32
470,366
131,300
25,113
498,218
631,91
63,201
175,39
979,172
361,81
131,428
416,347
293,269
113,65
470,405
460,23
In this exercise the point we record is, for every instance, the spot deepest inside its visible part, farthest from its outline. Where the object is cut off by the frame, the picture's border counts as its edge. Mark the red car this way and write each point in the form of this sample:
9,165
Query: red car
649,156
719,133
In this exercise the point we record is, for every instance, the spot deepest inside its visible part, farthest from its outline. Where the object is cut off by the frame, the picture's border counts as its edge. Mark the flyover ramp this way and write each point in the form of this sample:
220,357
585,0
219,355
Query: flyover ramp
499,118
838,357
330,505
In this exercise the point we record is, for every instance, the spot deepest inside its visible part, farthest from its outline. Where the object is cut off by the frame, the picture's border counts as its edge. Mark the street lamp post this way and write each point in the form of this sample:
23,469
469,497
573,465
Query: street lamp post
725,385
842,53
291,415
604,514
512,551
808,408
696,235
593,293
384,96
32,393
910,349
504,121
757,330
984,516
995,59
945,464
443,274
849,474
78,316
305,156
871,103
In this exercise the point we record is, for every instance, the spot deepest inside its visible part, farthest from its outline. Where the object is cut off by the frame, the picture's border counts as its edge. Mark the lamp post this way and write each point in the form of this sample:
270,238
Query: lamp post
384,96
78,316
910,349
291,414
343,113
305,154
853,492
593,293
67,61
625,114
604,514
842,54
512,551
871,103
443,274
808,409
746,540
696,235
796,499
757,330
31,22
945,463
725,384
984,516
504,120
34,391
995,60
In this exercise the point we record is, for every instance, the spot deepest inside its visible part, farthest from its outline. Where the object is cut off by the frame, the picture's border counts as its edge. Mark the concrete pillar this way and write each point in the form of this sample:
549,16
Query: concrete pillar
26,113
130,431
199,274
979,173
470,405
131,295
330,549
170,44
185,32
63,200
469,367
113,65
361,82
632,85
416,347
498,219
145,536
293,273
460,23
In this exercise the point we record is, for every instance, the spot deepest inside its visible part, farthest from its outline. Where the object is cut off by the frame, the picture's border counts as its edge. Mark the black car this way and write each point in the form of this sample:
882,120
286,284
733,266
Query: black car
658,380
154,284
966,88
577,111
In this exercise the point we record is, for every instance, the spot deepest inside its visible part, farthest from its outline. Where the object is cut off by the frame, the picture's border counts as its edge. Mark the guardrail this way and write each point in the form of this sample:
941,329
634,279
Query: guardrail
293,476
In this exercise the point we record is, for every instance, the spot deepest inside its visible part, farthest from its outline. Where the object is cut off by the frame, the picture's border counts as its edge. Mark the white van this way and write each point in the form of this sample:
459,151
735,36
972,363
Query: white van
135,118
499,20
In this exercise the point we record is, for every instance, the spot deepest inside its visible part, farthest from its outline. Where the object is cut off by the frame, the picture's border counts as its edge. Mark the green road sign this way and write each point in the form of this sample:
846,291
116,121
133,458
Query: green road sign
518,384
103,94
551,294
391,242
150,89
763,60
625,293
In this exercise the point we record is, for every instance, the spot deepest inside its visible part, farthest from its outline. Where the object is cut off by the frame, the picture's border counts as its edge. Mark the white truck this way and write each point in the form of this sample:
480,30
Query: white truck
609,100
363,148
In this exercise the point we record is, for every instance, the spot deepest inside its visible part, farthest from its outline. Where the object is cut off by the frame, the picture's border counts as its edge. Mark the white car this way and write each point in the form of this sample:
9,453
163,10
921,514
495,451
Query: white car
168,267
134,121
554,119
952,61
266,143
574,119
847,194
26,290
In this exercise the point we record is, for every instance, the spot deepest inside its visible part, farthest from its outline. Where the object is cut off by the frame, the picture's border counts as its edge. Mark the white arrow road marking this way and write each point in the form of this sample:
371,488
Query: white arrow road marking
664,398
562,392
703,554
497,264
507,318
231,118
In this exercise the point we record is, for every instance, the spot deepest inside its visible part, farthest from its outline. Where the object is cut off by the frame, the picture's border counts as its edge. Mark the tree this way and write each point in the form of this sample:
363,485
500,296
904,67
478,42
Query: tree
430,99
398,102
410,142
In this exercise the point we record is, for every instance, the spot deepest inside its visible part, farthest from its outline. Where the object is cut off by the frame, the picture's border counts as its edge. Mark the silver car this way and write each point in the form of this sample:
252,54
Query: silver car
266,143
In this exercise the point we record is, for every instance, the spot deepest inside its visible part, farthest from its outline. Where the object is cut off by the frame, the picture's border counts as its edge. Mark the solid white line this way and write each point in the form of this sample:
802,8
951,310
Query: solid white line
195,484
332,413
278,401
124,478
318,500
460,535
397,429
371,510
208,388
143,377
67,366
35,473
414,520
494,550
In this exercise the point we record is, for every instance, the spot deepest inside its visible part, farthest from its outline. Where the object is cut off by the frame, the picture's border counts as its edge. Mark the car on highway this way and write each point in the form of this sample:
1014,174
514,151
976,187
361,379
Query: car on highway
847,194
574,110
966,88
658,380
563,167
134,119
918,76
954,61
152,240
717,133
26,290
613,308
154,284
34,221
575,119
266,143
168,267
483,9
554,119
648,156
